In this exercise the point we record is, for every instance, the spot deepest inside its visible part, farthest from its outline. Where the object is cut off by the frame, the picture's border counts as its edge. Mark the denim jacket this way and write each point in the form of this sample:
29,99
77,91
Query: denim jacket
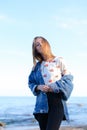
64,86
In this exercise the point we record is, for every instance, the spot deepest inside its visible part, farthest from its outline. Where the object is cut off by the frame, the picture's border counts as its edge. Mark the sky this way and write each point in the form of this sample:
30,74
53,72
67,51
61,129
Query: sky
62,22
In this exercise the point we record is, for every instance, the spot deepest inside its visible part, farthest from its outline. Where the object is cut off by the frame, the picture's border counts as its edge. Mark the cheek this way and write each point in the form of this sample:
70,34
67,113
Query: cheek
45,48
38,49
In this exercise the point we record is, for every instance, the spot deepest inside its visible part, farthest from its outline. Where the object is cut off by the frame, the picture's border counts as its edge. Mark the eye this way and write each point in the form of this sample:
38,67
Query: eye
37,44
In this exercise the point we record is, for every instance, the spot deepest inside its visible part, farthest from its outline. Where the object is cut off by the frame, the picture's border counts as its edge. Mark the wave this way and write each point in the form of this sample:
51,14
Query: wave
19,111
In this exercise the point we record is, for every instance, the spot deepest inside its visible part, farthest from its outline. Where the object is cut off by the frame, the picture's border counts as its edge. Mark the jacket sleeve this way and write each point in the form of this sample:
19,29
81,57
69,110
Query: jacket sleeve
32,83
64,86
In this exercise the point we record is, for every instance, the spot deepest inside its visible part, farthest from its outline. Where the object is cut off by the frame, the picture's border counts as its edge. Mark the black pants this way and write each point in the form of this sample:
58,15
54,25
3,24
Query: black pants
51,120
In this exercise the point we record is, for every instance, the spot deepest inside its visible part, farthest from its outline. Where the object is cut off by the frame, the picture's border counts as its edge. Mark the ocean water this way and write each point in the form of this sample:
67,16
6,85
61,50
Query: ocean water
18,111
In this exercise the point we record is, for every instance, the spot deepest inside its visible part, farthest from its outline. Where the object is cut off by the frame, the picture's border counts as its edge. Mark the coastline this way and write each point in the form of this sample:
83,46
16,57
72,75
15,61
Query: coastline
82,127
16,117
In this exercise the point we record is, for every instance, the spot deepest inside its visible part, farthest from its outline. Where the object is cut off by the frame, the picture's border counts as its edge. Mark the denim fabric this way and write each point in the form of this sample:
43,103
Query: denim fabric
64,86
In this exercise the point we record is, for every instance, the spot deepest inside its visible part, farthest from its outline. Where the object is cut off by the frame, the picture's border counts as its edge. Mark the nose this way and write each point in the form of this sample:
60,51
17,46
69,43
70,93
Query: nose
37,44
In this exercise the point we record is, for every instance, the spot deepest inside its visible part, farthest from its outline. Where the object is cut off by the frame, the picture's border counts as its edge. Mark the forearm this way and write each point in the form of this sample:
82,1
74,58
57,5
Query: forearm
65,86
44,88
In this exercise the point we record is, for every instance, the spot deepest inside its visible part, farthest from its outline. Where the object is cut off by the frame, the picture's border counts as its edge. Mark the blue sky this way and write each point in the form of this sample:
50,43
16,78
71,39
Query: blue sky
62,22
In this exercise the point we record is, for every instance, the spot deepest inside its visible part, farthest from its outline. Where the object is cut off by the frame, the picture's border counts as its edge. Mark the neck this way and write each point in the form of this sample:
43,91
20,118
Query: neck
48,57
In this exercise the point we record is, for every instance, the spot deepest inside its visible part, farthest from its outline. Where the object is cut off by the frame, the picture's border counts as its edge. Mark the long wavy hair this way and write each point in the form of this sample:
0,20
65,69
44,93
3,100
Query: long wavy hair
47,50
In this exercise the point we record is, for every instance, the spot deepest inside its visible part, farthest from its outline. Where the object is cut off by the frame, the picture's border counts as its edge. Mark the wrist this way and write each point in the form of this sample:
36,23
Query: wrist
36,89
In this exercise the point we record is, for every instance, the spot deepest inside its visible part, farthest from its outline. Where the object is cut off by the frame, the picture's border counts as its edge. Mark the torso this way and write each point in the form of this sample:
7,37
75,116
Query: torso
51,71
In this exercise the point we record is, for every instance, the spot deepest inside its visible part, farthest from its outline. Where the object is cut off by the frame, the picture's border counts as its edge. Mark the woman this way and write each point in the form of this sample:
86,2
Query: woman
51,83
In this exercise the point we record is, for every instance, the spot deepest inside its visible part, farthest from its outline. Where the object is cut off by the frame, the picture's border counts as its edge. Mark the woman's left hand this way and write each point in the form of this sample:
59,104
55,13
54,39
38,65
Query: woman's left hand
47,89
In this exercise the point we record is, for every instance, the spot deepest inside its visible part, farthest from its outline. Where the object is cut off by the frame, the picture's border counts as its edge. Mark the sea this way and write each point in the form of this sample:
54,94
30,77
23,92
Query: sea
18,111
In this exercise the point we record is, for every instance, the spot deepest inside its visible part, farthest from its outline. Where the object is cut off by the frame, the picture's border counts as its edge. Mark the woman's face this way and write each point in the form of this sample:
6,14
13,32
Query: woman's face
39,45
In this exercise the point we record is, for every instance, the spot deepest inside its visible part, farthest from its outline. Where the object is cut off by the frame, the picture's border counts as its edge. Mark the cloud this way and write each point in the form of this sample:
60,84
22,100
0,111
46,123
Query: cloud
7,19
10,20
13,53
64,25
2,17
69,23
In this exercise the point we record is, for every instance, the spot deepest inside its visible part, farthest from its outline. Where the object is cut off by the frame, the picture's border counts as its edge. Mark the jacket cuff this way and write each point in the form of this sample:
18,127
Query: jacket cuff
35,92
54,87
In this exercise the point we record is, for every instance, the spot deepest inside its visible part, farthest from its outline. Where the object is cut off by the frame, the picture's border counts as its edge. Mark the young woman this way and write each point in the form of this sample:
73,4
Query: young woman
51,83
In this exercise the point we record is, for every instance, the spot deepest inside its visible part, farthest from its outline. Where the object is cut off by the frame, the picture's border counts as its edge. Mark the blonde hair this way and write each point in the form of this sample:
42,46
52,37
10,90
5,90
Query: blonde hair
37,56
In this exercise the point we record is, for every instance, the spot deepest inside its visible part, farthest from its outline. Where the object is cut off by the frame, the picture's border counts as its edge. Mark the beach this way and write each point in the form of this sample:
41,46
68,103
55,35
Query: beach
84,127
15,116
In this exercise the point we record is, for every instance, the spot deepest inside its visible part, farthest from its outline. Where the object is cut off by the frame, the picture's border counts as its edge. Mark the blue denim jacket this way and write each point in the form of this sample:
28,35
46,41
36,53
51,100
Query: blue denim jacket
64,86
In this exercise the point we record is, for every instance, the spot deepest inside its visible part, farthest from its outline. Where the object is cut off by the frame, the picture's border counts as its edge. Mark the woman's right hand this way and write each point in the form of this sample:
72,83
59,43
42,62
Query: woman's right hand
44,88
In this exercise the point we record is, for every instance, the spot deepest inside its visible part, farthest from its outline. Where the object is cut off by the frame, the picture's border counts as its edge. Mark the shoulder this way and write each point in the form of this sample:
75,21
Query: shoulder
36,66
59,59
